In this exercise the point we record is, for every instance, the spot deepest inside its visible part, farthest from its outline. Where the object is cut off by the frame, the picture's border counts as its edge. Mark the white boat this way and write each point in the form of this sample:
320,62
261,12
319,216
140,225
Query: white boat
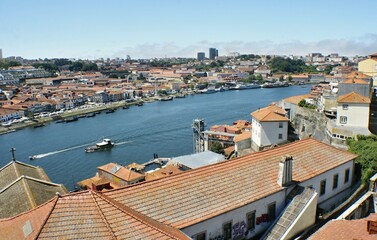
105,144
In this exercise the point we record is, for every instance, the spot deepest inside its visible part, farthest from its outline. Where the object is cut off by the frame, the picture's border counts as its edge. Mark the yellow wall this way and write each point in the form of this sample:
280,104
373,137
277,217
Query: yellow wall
368,67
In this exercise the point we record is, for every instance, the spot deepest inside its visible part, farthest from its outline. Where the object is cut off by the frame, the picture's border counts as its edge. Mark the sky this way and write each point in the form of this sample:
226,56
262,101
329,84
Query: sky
91,29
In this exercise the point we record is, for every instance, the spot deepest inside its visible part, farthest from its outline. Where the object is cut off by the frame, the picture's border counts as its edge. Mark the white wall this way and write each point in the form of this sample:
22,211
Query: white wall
328,176
214,226
267,133
357,114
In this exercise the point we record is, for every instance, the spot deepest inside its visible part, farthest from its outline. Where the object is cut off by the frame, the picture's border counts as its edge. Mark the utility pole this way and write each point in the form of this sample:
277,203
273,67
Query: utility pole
13,150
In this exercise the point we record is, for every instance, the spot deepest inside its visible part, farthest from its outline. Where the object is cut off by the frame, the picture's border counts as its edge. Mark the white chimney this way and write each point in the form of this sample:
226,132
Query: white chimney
285,170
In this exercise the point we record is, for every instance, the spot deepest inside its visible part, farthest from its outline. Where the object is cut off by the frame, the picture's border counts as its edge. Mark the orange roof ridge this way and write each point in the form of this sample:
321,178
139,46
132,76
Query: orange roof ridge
47,216
353,97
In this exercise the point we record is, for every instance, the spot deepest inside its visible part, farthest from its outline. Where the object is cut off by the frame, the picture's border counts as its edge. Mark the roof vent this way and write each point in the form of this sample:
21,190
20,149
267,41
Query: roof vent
285,170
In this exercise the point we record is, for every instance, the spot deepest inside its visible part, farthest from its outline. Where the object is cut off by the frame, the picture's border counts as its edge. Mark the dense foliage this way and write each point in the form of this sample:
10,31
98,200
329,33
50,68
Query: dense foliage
5,64
305,104
246,57
288,65
365,147
217,148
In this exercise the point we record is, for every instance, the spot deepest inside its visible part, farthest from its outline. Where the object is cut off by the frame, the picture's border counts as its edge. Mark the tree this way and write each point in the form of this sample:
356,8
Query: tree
365,147
217,148
113,75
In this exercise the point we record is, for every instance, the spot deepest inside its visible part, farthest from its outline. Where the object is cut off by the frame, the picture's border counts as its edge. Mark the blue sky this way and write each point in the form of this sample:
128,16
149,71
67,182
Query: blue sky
177,28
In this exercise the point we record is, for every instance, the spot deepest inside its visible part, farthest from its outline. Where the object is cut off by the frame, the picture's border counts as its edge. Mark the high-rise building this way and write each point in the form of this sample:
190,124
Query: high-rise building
201,56
213,53
1,53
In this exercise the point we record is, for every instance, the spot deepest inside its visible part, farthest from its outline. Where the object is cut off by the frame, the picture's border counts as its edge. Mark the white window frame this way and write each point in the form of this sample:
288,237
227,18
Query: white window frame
343,119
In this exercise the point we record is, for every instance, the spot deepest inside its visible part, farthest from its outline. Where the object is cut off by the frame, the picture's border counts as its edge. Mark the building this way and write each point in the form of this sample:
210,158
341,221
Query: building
269,127
237,198
369,66
213,53
352,118
356,82
201,56
1,53
24,187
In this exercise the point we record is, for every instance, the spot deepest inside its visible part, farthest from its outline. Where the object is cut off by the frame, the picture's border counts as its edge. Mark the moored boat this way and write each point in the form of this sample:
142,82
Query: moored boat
105,144
110,111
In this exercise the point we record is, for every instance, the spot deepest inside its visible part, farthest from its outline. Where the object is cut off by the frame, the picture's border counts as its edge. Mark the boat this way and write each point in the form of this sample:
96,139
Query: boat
166,98
245,86
105,144
180,96
125,107
81,116
139,104
39,125
89,115
110,111
275,85
71,119
60,121
33,157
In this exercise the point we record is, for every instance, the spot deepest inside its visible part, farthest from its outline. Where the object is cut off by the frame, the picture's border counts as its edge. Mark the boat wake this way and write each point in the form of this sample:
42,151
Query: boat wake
121,143
56,152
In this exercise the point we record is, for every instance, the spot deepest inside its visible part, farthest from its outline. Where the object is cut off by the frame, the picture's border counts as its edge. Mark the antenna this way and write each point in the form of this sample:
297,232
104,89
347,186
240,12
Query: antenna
13,150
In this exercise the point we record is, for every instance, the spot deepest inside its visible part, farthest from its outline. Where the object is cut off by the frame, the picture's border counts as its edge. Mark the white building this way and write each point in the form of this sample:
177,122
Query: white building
269,127
353,110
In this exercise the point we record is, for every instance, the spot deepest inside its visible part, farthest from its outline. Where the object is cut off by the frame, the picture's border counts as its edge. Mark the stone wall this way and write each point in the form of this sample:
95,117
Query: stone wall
310,123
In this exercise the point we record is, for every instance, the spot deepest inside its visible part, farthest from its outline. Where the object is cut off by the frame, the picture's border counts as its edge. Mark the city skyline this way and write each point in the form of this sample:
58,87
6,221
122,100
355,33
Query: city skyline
148,29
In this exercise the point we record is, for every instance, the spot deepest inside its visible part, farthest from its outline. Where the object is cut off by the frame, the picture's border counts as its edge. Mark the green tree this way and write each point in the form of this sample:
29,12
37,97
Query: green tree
365,147
113,75
217,148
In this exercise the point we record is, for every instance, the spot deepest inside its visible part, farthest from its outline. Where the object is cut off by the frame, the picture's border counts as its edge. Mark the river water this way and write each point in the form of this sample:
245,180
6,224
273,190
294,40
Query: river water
163,128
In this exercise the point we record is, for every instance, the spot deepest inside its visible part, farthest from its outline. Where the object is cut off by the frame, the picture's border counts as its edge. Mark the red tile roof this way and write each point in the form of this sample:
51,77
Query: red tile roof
296,99
353,97
271,113
345,229
87,215
187,198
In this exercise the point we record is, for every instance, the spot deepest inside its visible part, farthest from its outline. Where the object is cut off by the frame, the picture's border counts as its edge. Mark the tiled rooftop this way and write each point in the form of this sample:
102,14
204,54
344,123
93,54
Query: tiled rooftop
296,99
271,113
86,215
345,229
353,97
193,196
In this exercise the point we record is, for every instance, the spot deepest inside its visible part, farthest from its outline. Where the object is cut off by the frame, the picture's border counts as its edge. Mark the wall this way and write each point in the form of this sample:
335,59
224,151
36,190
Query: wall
368,67
357,114
267,133
214,226
310,123
328,176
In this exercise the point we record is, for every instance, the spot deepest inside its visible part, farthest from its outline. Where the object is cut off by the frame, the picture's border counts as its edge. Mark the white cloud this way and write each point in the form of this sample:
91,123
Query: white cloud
349,47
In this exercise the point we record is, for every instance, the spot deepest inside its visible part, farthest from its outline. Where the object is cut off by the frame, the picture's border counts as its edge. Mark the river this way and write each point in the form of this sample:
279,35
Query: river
163,128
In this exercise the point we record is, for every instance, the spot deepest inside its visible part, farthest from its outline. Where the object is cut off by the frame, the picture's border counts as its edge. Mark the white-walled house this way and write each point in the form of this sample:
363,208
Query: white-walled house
269,127
241,197
353,110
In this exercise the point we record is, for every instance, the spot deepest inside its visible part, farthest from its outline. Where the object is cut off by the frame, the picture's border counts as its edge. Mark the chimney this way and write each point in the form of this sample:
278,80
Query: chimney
285,170
372,227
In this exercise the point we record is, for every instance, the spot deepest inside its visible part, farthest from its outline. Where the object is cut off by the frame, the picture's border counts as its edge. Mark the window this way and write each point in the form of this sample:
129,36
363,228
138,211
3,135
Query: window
271,211
343,120
250,220
335,181
347,175
227,230
200,236
280,125
280,136
345,106
323,187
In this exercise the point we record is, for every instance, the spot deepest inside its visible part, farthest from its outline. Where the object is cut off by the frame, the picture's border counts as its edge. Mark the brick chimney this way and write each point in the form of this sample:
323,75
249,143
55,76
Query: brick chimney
285,170
372,227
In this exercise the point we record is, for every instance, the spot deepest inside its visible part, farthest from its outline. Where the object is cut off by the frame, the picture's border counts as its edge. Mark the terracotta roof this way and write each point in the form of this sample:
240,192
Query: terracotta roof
26,193
121,172
296,99
355,81
163,172
88,215
243,136
15,169
345,229
353,97
271,113
187,198
356,74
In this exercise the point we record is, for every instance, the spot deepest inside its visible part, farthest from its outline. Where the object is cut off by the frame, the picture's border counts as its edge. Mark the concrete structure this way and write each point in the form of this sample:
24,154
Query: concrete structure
1,53
369,66
269,127
201,56
196,160
356,82
213,53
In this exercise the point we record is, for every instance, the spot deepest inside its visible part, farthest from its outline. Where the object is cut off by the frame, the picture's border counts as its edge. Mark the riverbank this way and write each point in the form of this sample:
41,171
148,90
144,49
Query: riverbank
72,113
